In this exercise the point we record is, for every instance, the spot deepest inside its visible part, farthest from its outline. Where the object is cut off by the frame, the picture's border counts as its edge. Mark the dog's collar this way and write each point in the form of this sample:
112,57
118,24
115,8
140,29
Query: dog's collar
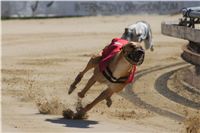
109,76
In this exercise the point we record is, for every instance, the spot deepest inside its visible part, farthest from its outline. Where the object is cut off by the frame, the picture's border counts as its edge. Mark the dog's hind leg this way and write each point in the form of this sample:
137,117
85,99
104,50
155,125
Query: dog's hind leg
105,94
91,64
90,82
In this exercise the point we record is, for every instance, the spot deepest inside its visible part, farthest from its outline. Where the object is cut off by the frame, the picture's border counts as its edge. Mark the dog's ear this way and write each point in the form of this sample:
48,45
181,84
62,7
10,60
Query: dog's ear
129,46
125,34
125,48
126,31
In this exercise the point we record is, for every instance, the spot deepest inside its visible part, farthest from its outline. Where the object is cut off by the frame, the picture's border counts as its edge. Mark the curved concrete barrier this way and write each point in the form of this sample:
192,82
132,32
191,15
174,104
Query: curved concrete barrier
183,32
190,56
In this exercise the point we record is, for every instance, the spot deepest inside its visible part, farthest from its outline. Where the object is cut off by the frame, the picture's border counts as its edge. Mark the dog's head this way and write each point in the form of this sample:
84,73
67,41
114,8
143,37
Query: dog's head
139,32
134,53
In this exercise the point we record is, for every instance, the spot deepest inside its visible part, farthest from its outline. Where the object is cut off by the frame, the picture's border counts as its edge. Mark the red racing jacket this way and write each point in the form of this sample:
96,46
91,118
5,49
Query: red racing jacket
110,51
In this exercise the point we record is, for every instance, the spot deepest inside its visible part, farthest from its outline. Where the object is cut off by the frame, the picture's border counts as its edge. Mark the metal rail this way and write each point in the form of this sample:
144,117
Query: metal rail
192,12
191,16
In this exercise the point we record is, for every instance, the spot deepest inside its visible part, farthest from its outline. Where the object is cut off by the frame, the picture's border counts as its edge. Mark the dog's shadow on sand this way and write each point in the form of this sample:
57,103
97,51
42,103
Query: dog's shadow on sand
73,123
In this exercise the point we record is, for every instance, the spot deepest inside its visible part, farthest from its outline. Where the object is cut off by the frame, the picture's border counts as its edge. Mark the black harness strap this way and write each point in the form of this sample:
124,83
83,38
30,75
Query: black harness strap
109,76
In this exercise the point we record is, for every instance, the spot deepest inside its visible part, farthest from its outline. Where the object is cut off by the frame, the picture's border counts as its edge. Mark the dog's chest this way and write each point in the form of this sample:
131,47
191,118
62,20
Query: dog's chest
120,68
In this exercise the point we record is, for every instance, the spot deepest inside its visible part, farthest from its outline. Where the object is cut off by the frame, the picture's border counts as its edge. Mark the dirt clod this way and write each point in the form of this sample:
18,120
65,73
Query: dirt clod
69,114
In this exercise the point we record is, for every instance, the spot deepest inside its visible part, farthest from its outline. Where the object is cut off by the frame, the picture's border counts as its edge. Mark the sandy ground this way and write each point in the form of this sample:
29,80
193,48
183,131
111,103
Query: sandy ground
40,59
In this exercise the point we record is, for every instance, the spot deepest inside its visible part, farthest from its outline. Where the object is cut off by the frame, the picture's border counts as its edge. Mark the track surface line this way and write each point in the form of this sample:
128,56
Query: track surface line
156,96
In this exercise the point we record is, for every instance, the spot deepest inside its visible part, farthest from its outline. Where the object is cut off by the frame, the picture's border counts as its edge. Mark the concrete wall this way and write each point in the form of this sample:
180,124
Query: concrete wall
17,9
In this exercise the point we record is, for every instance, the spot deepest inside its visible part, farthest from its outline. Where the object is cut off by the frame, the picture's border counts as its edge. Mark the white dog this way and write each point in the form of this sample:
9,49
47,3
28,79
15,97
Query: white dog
138,32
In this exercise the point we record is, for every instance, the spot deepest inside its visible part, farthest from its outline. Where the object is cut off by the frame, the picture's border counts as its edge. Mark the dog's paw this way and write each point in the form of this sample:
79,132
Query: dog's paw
68,114
81,95
152,48
71,89
108,102
80,114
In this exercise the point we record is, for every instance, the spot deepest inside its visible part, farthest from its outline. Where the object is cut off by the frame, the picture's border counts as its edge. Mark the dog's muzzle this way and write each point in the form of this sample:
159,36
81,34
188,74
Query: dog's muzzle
136,57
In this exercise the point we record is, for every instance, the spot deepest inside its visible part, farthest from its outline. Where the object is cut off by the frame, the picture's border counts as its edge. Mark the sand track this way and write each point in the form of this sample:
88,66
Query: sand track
38,68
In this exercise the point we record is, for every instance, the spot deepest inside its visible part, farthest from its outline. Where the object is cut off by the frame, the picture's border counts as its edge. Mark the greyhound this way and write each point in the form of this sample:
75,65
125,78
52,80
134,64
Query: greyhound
138,32
116,72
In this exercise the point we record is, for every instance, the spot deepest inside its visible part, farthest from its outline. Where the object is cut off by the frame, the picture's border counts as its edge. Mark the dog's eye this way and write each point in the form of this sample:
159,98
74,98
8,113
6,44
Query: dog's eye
132,47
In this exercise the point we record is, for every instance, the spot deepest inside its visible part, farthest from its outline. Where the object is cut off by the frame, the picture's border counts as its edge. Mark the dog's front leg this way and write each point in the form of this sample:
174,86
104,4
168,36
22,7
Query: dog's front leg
105,94
91,81
76,81
93,62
